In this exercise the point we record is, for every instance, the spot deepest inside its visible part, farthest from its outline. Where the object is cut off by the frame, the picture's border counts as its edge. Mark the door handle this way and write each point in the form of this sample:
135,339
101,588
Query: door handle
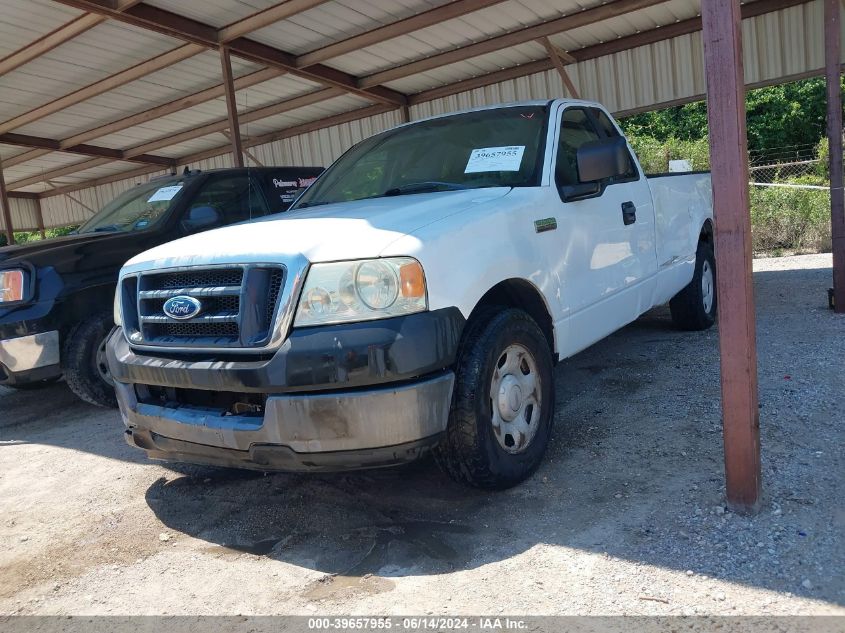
629,213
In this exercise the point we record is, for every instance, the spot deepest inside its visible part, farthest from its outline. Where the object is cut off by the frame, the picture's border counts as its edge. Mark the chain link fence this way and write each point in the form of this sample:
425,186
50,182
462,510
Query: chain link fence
790,200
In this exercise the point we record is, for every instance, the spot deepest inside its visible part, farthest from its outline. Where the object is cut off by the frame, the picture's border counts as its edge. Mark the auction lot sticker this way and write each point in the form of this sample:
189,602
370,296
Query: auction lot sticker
495,159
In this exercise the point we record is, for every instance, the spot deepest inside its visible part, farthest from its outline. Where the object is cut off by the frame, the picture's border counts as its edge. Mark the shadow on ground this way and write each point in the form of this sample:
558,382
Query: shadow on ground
634,469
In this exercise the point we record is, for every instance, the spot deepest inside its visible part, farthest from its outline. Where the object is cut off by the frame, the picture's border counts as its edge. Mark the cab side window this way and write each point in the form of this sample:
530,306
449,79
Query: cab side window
236,198
576,128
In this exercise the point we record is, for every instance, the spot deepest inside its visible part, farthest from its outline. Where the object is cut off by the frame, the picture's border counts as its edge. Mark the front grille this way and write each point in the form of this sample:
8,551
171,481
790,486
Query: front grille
238,306
197,278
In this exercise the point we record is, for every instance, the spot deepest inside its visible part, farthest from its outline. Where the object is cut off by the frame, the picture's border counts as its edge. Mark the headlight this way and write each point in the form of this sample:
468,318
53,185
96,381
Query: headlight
11,286
361,290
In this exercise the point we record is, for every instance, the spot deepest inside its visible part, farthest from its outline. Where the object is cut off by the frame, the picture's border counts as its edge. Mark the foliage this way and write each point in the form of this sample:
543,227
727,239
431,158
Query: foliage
791,219
823,153
654,155
783,219
22,237
787,115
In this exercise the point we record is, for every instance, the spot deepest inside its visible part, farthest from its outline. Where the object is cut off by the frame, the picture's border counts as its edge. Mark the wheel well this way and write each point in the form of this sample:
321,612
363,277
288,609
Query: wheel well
706,234
518,293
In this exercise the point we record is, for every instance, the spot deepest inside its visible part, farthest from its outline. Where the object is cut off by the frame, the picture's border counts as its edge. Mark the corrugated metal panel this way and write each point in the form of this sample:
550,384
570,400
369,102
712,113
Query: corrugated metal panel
181,79
106,49
277,89
25,21
479,25
333,21
24,214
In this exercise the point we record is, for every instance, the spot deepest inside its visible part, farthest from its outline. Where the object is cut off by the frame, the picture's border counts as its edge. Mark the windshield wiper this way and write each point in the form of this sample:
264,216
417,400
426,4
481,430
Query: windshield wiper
306,205
422,187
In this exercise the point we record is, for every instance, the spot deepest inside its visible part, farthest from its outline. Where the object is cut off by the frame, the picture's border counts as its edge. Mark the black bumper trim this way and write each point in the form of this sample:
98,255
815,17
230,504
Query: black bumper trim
278,458
330,357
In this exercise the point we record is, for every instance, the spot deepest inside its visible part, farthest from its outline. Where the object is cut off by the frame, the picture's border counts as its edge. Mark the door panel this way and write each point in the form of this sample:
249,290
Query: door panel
606,266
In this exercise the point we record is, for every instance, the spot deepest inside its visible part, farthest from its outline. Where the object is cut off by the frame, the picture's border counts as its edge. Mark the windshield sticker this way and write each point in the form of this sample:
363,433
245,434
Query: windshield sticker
495,159
165,193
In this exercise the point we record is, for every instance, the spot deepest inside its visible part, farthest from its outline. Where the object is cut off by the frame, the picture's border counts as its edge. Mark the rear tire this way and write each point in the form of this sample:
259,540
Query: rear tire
694,307
503,405
86,371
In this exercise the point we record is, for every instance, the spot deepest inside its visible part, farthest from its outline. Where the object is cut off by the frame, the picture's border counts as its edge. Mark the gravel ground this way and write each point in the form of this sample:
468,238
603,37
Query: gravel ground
626,516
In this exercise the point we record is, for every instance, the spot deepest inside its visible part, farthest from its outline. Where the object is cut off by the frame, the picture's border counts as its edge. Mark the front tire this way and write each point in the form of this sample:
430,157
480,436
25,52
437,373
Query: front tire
84,362
503,406
694,307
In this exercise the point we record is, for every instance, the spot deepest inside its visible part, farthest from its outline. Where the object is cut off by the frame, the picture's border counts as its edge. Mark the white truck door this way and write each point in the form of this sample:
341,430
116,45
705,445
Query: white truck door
608,263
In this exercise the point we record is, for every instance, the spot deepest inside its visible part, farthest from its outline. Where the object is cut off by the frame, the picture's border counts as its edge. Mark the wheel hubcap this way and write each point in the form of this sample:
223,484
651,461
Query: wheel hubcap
707,289
515,399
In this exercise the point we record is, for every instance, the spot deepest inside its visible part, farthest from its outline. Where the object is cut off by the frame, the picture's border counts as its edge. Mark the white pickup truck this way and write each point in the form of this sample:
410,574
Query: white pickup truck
416,298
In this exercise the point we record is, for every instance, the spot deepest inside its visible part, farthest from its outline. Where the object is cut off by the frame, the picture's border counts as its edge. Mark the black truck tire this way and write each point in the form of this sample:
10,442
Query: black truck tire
475,450
83,361
694,307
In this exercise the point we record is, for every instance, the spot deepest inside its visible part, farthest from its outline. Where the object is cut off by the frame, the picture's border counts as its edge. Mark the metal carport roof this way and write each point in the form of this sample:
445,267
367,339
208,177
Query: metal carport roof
95,94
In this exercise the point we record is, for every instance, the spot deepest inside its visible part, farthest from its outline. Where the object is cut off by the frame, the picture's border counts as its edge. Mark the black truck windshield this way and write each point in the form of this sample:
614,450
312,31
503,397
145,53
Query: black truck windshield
137,209
500,147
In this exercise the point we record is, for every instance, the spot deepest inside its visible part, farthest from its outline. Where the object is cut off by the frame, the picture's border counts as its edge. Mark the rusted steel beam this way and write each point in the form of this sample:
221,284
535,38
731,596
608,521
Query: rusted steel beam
66,170
7,211
833,53
513,38
735,293
220,125
304,128
247,153
231,107
39,218
557,59
422,20
268,16
177,105
162,21
53,145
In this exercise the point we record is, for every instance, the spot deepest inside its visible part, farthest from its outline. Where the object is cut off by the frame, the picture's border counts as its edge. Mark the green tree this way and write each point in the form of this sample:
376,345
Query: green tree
787,115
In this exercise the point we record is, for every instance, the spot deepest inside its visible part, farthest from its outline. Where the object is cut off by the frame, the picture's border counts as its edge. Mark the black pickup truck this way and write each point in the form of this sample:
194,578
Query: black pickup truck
56,295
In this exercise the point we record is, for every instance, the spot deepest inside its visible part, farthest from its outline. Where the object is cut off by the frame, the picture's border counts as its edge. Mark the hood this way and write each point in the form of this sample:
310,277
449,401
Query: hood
346,230
68,252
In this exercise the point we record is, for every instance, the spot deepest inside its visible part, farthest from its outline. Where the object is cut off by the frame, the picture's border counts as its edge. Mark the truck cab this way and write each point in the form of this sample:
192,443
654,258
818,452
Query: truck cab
415,299
56,295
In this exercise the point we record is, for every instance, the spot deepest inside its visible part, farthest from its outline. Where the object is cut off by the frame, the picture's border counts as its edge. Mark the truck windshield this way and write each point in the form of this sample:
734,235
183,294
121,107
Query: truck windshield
500,147
137,209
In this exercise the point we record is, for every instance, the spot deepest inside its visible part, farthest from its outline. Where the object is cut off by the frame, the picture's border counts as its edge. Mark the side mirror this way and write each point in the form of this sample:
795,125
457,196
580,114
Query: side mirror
599,160
199,218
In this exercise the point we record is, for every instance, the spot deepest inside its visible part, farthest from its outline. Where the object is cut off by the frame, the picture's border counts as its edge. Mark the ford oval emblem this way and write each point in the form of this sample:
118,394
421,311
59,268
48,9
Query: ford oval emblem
182,308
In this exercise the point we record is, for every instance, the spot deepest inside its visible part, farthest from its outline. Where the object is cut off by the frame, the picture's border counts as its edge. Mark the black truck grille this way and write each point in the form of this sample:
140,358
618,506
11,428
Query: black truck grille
238,306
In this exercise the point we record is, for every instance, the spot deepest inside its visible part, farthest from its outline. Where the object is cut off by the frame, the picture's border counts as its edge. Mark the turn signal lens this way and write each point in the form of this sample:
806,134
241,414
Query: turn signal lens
412,281
11,286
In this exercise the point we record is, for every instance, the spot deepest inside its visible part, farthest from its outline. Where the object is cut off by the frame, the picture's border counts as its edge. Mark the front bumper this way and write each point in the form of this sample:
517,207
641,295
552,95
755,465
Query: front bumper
332,431
332,398
31,358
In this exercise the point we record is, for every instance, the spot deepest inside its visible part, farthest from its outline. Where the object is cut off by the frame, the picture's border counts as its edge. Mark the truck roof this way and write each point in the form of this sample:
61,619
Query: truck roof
511,104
